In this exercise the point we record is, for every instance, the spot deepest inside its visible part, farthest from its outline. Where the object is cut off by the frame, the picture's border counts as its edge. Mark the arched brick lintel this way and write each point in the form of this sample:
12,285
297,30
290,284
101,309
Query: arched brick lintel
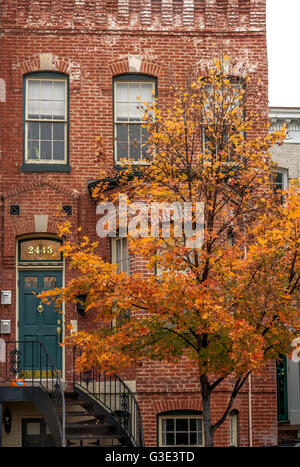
47,62
134,64
177,404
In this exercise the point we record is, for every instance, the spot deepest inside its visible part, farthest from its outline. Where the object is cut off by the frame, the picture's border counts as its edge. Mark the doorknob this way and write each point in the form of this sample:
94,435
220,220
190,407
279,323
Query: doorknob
40,308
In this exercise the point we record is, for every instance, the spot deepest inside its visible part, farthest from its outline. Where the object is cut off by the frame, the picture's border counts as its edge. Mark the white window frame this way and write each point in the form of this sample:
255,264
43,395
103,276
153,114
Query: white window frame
135,122
233,430
39,120
114,253
285,177
175,417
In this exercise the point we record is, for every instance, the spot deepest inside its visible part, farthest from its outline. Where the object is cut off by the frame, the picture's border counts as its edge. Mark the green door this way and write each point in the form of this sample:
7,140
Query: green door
39,322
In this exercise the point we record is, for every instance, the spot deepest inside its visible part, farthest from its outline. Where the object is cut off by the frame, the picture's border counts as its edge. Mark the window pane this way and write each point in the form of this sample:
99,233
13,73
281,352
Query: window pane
182,424
146,93
33,130
182,438
119,252
135,112
169,424
34,89
193,438
33,428
46,131
46,90
169,439
49,282
59,90
33,150
59,131
124,265
199,438
33,109
30,282
134,133
135,151
122,151
122,112
279,181
46,109
134,92
58,110
45,150
122,132
193,426
58,150
122,92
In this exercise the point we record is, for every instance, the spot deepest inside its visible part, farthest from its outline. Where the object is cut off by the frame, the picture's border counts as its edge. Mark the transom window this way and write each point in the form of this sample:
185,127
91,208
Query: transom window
130,94
46,119
180,430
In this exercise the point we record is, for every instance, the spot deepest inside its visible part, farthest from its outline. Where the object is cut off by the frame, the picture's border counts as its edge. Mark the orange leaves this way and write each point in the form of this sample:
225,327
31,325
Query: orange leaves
230,305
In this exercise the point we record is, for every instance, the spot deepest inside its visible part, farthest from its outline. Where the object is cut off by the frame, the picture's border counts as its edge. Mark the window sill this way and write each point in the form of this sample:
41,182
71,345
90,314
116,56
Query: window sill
46,168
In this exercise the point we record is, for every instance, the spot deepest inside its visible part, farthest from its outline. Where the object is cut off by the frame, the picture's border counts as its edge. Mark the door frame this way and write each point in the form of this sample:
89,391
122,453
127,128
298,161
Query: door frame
43,266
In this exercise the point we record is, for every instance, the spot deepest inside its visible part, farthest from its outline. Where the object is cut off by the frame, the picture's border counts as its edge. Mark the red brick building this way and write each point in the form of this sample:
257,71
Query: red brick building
68,69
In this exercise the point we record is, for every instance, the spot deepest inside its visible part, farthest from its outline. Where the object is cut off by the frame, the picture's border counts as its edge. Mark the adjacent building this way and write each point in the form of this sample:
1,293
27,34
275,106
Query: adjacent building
287,157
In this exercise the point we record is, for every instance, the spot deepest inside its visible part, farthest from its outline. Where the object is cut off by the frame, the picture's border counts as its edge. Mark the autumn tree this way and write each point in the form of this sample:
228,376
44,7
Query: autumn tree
228,303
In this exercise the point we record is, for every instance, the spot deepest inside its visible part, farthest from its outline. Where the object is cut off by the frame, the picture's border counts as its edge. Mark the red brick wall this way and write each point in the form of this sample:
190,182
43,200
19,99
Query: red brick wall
92,41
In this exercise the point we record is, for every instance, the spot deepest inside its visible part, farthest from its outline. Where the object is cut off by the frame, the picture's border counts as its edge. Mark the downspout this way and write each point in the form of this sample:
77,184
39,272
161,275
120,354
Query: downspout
250,428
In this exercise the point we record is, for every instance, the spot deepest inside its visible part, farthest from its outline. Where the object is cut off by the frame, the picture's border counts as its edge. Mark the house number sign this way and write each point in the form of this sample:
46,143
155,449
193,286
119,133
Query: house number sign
40,250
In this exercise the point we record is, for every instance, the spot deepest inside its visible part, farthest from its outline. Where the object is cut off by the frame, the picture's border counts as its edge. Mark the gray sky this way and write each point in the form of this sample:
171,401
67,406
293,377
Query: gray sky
283,35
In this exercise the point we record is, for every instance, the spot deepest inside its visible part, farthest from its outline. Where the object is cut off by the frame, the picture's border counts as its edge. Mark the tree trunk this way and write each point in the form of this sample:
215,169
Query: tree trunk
206,393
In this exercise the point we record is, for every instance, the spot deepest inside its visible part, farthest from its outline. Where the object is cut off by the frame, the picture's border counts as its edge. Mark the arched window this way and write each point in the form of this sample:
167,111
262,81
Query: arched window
45,119
130,93
180,428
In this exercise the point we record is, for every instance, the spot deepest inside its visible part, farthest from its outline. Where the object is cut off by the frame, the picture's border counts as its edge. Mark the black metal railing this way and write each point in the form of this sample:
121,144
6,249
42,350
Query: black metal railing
28,363
115,397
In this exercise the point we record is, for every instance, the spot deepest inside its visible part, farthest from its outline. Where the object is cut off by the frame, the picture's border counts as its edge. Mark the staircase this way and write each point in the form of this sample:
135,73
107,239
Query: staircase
100,411
103,411
87,425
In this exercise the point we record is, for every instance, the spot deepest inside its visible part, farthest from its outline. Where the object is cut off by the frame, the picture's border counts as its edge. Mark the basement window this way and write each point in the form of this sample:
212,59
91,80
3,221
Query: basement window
177,429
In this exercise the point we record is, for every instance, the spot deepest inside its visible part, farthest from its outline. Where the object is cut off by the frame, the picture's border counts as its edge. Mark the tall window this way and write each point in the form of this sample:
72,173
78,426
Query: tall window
130,93
233,428
180,429
281,182
46,118
233,100
120,254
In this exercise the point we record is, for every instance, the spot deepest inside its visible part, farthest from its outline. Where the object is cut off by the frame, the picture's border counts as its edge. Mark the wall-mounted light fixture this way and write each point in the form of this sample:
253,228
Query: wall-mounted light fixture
7,419
81,304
